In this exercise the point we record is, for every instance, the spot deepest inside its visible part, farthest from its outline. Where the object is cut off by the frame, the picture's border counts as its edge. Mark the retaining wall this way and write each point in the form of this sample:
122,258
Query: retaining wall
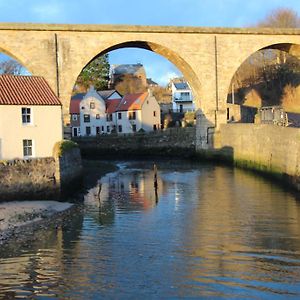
40,178
267,148
170,142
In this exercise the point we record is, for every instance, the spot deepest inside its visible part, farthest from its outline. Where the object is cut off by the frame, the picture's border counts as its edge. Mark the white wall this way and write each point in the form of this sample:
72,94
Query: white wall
147,117
85,108
45,130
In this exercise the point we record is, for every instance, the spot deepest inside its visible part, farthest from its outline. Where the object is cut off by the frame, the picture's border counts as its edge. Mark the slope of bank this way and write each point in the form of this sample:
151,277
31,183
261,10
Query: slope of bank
21,214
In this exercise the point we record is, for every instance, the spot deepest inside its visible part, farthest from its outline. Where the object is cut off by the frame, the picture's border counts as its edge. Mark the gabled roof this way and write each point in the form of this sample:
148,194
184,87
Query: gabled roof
132,102
107,93
75,106
181,86
26,90
112,105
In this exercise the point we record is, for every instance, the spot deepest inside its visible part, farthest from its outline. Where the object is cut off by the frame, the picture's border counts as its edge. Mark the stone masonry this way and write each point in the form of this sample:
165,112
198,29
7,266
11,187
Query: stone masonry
207,57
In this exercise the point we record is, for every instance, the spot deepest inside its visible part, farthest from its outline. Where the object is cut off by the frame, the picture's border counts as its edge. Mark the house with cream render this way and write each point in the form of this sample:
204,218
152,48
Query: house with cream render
30,117
137,112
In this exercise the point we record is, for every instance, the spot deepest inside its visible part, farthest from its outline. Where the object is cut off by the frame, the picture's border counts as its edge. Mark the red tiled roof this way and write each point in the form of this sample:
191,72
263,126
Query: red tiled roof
75,106
132,102
112,105
26,90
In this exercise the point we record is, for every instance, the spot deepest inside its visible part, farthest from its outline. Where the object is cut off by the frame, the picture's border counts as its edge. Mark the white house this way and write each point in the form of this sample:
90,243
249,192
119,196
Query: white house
182,97
92,114
30,117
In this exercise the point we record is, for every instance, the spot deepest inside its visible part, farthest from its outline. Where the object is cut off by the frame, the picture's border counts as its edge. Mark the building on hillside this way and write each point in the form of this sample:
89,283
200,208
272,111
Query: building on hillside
128,78
93,115
182,97
30,117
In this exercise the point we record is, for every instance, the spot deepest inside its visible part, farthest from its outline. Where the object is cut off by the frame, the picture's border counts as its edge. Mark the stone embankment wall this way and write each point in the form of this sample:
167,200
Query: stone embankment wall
25,179
170,142
267,148
40,178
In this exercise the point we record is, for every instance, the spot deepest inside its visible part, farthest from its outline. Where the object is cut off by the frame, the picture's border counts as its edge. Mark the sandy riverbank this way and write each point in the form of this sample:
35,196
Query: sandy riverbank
19,214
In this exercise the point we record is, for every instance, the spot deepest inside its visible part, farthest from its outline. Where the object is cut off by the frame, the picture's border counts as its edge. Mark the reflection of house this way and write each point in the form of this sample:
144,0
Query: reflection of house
30,117
182,97
92,115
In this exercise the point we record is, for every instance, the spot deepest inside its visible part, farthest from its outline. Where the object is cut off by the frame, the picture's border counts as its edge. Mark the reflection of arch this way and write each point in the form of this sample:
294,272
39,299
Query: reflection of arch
173,57
11,55
291,49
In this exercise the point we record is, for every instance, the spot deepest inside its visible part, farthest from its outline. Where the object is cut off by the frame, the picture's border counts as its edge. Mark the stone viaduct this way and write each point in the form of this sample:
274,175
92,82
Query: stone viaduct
207,57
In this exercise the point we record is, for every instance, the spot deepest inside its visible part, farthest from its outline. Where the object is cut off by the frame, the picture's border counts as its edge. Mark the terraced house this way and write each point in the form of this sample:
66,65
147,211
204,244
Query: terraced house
93,115
30,117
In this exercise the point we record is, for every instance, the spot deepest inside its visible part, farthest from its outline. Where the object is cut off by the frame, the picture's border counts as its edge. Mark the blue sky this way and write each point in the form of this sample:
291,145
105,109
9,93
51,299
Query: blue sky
213,13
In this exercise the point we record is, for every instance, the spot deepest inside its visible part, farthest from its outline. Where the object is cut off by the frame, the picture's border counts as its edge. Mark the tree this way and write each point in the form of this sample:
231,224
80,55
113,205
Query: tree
10,67
96,73
281,18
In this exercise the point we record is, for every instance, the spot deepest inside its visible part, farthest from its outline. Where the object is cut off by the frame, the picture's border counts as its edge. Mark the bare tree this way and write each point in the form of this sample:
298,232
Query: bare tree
281,18
10,67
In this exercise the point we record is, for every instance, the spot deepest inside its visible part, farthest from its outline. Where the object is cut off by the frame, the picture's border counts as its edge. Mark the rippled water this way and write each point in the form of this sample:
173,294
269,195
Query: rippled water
210,231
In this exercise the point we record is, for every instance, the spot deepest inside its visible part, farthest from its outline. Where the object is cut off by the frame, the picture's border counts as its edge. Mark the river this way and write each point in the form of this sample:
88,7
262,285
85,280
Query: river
208,231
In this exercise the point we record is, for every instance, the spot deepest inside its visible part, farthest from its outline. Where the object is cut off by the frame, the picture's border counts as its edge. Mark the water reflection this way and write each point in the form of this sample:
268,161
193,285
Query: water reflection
208,231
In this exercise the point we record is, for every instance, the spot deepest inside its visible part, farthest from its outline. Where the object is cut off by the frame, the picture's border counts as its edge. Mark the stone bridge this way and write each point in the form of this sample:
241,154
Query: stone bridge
207,57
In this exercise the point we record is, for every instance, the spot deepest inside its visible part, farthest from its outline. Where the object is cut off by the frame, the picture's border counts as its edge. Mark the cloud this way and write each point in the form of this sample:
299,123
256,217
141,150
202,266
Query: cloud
165,78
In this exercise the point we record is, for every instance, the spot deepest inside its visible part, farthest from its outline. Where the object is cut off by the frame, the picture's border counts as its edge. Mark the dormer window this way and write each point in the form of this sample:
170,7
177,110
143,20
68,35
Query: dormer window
92,105
26,115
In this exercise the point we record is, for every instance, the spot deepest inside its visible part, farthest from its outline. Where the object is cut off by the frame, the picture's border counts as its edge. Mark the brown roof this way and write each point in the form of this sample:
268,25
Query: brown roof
26,90
112,105
132,102
75,106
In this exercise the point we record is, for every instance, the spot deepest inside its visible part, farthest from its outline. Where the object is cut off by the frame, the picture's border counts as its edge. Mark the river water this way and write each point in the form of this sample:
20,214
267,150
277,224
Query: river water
209,231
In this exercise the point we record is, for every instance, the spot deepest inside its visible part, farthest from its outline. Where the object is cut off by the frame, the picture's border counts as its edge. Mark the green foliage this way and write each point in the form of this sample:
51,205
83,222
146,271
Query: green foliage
96,73
64,146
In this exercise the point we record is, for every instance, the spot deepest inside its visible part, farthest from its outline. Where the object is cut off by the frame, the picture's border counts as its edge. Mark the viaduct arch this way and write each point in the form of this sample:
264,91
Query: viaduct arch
208,57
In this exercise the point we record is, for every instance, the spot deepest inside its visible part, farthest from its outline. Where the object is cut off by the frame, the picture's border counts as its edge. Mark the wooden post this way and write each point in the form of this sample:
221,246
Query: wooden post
155,182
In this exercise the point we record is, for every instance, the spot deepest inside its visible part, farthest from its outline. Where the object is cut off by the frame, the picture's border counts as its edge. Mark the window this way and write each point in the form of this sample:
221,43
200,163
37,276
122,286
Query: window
88,130
92,105
134,128
27,148
86,118
120,128
132,115
119,116
154,114
97,130
107,129
102,128
109,117
97,116
26,115
74,117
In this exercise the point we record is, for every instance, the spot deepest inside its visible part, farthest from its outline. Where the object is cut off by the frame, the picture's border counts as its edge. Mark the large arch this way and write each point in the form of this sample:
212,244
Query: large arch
167,53
291,49
20,60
